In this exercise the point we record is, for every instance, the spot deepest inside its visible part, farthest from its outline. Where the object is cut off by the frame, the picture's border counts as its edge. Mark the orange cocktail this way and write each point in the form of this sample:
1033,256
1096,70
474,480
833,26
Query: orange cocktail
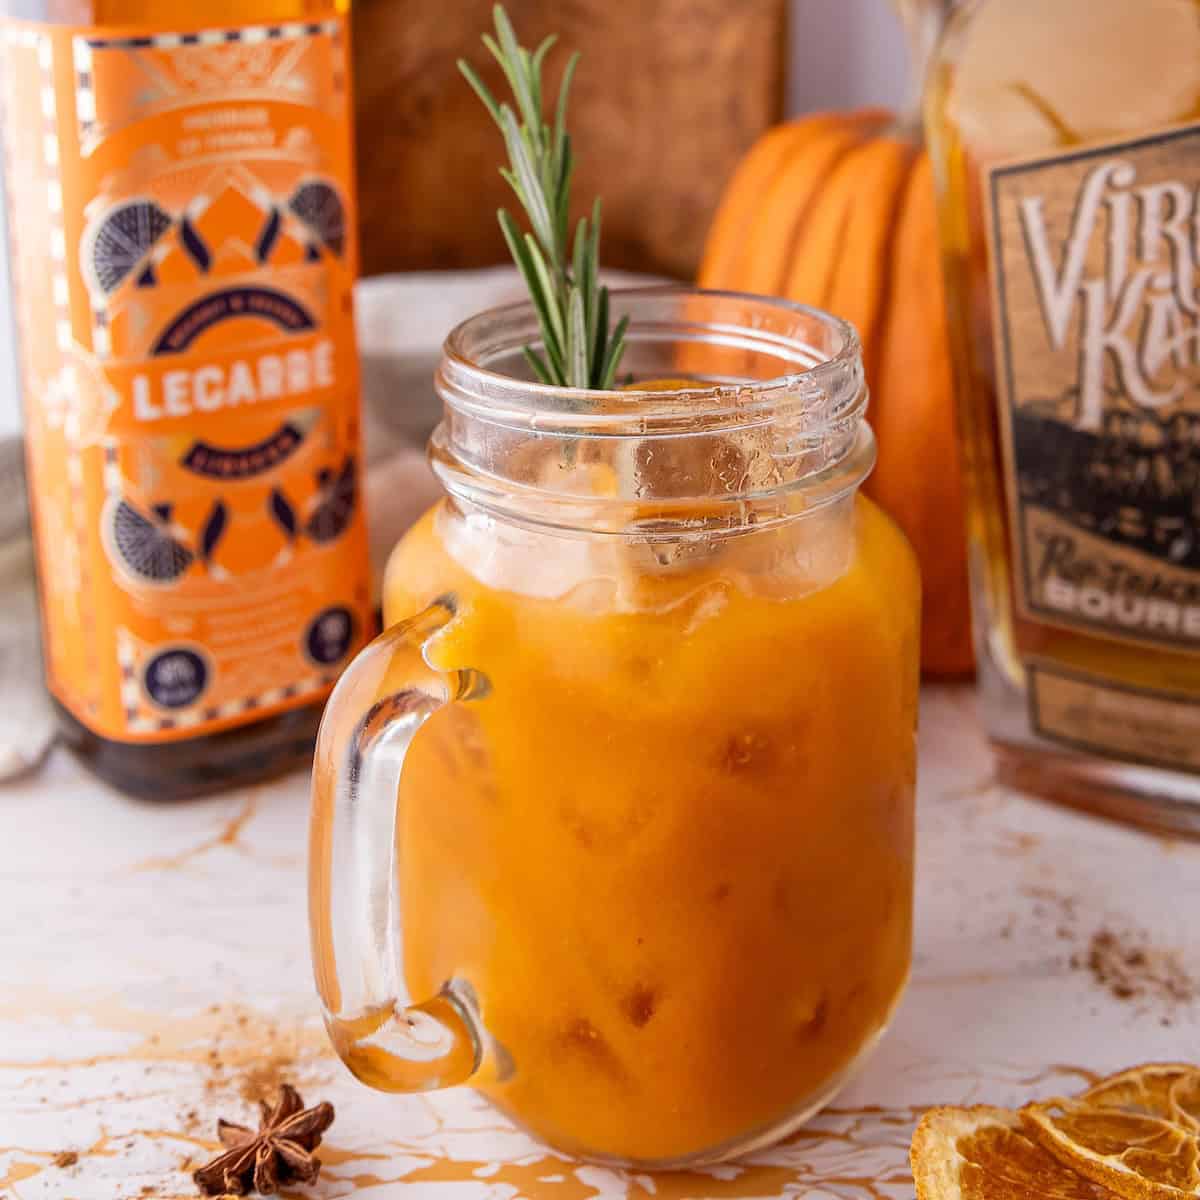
654,825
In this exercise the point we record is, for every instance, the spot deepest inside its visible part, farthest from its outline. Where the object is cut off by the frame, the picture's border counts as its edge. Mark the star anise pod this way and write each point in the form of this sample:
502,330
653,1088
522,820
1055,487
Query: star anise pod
280,1152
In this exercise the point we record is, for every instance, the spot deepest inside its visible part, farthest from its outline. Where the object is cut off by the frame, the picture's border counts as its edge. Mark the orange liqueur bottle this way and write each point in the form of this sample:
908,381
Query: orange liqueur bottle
182,244
1066,134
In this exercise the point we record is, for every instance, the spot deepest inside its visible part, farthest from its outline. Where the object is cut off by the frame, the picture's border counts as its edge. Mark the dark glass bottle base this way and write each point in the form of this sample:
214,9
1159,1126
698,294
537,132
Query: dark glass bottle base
197,766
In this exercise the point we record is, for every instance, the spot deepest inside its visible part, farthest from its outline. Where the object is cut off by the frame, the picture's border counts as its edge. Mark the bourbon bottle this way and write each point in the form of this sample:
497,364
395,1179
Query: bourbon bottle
1066,140
181,207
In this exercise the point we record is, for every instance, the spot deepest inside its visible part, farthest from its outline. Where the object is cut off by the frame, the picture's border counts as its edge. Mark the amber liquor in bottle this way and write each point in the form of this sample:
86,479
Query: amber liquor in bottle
1066,138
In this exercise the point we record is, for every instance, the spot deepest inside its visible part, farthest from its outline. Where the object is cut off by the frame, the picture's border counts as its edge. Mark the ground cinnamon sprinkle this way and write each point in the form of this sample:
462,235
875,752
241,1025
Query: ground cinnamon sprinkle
1128,968
262,1081
257,1075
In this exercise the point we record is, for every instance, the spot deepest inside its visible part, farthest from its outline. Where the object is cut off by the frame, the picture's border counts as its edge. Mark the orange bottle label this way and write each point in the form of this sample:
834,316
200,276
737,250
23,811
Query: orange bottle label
183,259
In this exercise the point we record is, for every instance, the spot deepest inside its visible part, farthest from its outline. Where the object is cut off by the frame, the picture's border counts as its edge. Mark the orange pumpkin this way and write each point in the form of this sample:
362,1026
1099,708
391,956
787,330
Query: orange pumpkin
837,211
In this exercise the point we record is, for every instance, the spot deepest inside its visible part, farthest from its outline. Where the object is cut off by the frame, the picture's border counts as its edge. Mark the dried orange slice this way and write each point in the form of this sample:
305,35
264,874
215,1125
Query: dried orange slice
984,1153
1185,1099
1134,1133
1167,1090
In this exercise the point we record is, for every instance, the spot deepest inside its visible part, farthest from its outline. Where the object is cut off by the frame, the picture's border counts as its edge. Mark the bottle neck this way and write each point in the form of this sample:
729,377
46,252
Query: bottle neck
923,22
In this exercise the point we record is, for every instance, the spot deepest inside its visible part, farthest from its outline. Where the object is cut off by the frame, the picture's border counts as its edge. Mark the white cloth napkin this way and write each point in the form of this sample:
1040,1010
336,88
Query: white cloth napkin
26,716
402,321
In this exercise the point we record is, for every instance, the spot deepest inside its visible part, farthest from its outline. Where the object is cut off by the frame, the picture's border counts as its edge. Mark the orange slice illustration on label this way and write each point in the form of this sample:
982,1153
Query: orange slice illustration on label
333,505
320,208
150,548
144,546
121,241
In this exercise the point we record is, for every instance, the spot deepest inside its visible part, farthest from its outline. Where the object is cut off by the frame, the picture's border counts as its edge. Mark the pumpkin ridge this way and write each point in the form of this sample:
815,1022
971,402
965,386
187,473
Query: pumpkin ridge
833,259
785,207
811,270
856,233
762,264
723,248
882,255
918,472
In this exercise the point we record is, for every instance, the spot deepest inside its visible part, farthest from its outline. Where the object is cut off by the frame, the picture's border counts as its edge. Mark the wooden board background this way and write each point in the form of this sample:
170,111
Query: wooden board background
669,95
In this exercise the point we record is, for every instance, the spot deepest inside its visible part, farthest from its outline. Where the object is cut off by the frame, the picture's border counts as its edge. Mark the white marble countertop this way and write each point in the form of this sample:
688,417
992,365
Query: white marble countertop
154,974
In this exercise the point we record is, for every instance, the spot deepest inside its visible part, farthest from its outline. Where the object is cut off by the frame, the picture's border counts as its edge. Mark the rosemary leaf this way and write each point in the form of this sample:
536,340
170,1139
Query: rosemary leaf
520,252
616,347
540,369
539,58
591,283
481,90
579,262
522,69
564,93
557,362
533,199
578,341
551,299
596,214
514,83
600,342
562,191
562,275
508,55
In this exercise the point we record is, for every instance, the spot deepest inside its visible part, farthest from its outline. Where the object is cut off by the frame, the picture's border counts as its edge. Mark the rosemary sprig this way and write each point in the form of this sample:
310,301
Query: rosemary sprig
578,347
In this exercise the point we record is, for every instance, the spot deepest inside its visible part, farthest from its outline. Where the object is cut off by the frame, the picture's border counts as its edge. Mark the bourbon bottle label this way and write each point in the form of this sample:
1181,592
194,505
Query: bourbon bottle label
1095,263
183,256
1091,713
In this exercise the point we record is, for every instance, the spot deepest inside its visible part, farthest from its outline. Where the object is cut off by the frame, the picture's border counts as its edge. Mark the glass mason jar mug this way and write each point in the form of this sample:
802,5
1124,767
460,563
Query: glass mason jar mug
615,821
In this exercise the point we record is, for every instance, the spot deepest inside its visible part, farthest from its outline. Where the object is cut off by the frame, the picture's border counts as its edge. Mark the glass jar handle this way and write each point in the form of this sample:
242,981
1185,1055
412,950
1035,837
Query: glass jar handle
383,698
